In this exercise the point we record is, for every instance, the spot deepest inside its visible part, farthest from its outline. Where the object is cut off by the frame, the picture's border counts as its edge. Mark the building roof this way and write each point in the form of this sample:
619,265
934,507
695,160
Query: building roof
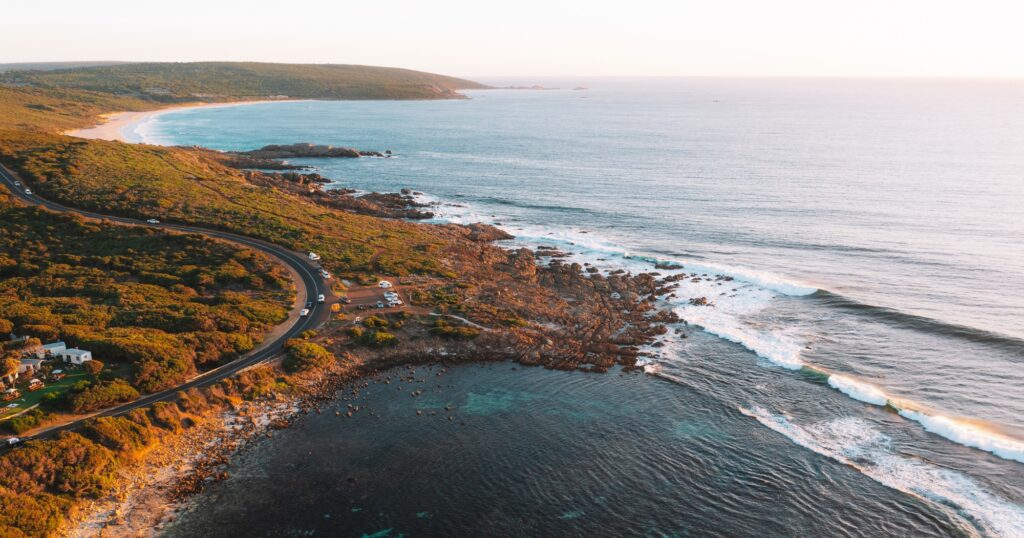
76,351
55,345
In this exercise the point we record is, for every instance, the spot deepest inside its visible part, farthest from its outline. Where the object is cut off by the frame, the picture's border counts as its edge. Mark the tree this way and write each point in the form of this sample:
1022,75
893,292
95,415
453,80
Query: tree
93,367
9,366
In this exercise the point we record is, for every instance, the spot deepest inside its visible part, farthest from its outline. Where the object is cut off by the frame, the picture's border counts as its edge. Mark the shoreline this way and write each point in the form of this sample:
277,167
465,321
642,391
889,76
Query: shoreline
115,125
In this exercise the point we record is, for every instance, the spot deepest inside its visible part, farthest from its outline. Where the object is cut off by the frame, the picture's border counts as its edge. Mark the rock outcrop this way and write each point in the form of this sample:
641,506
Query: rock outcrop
290,151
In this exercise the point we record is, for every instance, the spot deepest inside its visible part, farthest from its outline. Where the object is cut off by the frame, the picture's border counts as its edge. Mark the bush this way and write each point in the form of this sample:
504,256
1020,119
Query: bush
375,322
118,433
158,374
380,339
102,395
26,421
93,367
307,356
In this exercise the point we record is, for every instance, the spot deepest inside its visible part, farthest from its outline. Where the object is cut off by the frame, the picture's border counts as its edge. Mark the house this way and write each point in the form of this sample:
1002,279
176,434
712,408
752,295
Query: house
49,350
30,366
75,356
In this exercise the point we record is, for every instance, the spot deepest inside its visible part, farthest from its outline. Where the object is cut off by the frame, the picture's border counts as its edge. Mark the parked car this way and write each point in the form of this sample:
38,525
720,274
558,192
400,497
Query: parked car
153,221
380,304
304,313
320,298
384,284
17,183
325,274
345,300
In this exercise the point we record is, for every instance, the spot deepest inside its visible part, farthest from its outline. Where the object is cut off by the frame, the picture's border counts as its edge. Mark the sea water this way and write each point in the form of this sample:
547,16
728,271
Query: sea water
872,230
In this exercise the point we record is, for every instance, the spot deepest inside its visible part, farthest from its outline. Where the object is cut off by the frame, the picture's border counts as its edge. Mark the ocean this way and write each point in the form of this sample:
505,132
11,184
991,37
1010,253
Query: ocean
862,374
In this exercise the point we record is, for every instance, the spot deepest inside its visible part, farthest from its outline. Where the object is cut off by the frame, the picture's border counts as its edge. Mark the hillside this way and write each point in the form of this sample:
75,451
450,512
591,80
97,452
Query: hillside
27,108
225,81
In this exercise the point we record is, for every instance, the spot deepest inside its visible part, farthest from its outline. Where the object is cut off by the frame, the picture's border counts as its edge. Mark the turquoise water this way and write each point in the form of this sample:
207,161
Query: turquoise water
532,452
873,228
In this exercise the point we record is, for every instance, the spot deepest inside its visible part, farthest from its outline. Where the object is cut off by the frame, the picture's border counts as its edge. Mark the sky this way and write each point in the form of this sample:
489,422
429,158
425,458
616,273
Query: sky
968,38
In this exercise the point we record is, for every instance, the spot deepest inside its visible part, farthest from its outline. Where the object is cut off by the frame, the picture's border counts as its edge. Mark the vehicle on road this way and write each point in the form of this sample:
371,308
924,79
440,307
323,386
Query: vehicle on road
153,221
345,300
320,298
17,183
11,441
314,256
304,313
28,191
325,274
309,304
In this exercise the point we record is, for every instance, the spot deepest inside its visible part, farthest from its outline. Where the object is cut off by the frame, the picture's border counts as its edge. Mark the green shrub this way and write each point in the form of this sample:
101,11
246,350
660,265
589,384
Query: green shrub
25,421
102,395
307,356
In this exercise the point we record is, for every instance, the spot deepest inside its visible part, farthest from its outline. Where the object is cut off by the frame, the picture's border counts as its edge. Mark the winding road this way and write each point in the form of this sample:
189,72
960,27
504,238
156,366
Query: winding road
308,287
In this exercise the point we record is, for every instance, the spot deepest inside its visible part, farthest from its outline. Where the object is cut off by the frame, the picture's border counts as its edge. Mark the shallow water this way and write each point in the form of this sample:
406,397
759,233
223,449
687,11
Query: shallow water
532,452
872,230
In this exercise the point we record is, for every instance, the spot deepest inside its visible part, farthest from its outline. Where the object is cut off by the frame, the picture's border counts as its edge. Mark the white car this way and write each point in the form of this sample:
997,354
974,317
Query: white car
304,312
11,441
384,284
314,256
153,221
320,298
28,191
325,274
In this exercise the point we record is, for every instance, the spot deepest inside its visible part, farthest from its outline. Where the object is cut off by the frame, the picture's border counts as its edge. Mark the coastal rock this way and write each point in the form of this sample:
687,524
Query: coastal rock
276,151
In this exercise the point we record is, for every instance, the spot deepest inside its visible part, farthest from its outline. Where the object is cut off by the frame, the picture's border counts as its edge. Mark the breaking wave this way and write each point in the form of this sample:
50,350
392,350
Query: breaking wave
856,443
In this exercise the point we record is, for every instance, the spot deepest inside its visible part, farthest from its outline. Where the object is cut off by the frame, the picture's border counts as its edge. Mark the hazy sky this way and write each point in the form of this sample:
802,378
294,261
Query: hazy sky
531,37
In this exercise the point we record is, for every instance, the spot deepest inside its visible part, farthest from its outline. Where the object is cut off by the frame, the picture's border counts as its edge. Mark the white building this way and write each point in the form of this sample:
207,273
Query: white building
75,356
29,366
50,350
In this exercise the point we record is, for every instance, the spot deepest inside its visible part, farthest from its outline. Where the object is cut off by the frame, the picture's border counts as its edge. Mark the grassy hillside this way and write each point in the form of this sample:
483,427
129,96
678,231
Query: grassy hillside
175,82
180,185
27,108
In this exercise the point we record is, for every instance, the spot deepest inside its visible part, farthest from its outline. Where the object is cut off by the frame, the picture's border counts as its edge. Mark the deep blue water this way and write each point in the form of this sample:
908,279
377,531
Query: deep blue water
874,229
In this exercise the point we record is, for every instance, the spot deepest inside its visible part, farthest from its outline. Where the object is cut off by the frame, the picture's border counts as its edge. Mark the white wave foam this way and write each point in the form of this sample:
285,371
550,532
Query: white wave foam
774,346
854,442
968,435
955,430
858,390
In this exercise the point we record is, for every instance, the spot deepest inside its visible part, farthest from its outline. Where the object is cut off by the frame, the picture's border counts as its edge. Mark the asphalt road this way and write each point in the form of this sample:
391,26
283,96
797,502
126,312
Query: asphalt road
310,285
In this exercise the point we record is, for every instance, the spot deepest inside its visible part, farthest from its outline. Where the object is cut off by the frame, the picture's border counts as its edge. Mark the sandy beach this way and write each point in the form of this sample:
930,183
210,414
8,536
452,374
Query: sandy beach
120,126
